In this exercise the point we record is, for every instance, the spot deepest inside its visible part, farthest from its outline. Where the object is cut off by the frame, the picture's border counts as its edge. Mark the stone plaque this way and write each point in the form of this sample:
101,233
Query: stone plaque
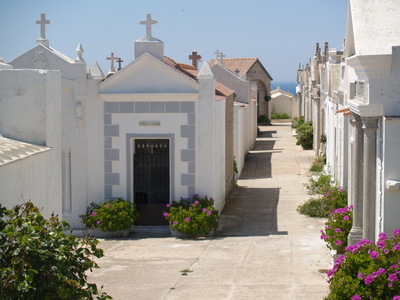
150,123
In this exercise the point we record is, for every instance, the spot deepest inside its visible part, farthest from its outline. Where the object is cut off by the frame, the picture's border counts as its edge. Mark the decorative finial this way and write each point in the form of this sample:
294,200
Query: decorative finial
195,58
79,53
43,23
148,22
119,61
112,58
220,56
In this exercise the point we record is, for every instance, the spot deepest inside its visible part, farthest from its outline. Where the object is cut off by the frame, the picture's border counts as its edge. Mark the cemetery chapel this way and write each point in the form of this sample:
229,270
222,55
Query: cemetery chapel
150,132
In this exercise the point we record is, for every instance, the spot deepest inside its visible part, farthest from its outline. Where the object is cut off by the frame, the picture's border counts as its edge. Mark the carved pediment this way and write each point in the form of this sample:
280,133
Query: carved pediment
148,74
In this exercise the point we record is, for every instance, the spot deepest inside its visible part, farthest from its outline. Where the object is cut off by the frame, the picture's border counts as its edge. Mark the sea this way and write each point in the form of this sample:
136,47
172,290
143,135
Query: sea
285,86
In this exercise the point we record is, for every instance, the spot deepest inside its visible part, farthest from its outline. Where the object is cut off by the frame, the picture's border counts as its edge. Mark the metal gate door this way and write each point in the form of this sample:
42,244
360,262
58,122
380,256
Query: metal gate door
151,184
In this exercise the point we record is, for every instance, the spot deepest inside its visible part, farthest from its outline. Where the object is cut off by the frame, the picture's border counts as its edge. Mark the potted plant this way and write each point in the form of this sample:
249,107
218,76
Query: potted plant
114,217
194,216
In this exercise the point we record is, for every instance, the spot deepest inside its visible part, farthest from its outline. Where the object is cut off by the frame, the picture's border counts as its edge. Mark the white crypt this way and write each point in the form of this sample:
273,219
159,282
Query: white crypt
151,132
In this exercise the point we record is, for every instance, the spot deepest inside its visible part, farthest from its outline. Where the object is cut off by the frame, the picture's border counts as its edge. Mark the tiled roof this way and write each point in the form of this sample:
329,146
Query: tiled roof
12,150
242,65
189,70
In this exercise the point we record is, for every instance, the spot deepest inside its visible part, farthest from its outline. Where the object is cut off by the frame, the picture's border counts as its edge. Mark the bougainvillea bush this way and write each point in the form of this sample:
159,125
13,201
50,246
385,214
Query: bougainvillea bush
38,260
368,270
194,216
337,229
109,216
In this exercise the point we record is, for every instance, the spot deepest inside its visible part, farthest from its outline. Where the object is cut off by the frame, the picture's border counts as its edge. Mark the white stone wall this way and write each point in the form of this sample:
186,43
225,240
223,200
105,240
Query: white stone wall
30,110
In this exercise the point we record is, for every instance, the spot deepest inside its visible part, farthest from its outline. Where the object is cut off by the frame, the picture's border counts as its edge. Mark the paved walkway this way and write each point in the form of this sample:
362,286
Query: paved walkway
263,248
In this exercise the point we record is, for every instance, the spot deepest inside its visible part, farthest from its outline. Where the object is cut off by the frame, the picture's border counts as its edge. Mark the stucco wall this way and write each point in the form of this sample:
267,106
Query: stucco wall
391,168
30,110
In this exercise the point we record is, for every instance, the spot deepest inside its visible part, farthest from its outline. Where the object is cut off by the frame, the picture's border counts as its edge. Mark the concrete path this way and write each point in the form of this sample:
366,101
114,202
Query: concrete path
263,248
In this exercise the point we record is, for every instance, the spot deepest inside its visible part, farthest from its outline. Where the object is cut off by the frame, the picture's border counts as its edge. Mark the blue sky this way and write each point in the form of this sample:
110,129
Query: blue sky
281,33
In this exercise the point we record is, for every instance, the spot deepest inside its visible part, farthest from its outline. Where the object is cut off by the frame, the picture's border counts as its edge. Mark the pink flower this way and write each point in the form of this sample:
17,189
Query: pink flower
196,196
338,242
187,219
356,297
383,236
209,213
107,205
396,233
165,215
328,194
168,205
98,222
396,298
204,210
393,277
93,214
374,254
360,275
346,218
175,223
196,202
368,280
338,230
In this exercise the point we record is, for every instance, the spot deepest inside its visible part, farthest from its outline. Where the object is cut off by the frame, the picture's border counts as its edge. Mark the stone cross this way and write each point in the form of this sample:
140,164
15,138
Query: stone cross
195,58
148,22
43,23
237,71
119,61
112,58
220,56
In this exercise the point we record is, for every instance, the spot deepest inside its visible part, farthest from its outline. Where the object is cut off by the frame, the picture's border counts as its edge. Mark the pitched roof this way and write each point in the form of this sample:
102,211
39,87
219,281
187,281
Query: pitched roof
191,71
243,65
12,150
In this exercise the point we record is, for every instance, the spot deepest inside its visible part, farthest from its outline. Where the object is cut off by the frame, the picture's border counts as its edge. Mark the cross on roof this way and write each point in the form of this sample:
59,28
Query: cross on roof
237,71
112,58
219,55
43,23
195,58
119,61
148,22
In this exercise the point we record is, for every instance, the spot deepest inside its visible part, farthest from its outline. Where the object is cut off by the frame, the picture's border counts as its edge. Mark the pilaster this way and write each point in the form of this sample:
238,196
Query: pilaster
356,232
370,124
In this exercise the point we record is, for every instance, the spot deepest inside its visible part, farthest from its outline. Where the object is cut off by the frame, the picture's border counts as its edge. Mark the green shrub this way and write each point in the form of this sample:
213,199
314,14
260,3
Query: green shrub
318,184
367,270
305,135
318,164
279,116
322,139
192,216
263,119
39,261
337,229
297,122
114,215
334,198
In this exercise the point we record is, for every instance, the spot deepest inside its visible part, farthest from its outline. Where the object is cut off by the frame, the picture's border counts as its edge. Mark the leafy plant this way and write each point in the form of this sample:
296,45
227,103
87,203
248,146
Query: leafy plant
334,198
192,216
297,122
279,116
318,164
39,261
235,166
319,184
337,229
367,270
305,135
114,215
322,139
263,120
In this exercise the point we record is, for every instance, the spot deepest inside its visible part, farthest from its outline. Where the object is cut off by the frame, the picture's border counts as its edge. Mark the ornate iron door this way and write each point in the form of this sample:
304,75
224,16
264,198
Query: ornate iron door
151,184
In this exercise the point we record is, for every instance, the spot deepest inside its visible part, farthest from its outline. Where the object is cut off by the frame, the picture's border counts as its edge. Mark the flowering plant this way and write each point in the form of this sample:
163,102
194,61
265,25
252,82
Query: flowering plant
367,270
337,229
114,215
192,216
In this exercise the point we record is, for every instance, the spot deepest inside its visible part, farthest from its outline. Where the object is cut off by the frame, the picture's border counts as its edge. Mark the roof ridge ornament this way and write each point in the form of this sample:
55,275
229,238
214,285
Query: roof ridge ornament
43,22
79,52
220,57
148,22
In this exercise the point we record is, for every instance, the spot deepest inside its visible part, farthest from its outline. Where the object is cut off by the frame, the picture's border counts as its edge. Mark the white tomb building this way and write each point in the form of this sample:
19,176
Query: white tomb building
151,132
